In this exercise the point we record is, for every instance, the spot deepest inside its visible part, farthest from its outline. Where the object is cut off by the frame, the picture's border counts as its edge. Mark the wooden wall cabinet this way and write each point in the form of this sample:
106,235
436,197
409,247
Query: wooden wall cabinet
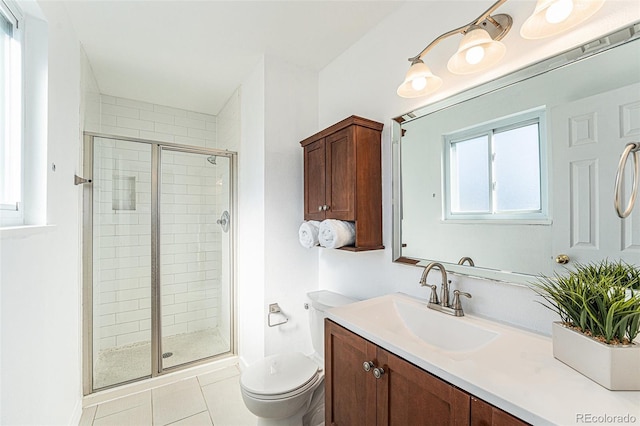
403,395
343,178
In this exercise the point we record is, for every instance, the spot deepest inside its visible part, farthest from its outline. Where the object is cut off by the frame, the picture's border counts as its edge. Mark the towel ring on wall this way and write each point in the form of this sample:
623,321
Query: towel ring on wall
632,147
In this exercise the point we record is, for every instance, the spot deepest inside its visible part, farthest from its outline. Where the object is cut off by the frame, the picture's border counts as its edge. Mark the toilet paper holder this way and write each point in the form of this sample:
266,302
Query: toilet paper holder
274,309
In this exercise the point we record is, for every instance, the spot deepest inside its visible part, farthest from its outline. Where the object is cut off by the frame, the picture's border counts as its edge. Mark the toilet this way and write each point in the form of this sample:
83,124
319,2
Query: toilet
288,389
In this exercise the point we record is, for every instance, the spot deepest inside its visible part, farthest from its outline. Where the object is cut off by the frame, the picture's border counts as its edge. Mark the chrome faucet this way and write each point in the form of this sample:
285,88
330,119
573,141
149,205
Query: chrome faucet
444,294
454,308
466,259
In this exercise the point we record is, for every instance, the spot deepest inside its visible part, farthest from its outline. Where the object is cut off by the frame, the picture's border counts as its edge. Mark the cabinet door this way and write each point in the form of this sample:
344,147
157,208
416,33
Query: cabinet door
350,392
341,170
407,395
484,414
314,180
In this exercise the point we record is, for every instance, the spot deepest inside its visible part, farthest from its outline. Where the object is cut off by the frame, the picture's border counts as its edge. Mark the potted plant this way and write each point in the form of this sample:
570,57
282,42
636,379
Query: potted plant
599,309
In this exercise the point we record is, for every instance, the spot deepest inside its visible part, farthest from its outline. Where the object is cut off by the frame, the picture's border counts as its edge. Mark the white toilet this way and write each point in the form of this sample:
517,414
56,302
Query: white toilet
288,389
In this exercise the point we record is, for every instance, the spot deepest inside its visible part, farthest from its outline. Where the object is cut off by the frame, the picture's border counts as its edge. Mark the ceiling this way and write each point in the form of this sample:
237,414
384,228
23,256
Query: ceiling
194,54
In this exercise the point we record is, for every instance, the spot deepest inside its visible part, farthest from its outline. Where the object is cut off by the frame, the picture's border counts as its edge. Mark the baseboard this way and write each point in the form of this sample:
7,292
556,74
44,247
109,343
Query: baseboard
76,414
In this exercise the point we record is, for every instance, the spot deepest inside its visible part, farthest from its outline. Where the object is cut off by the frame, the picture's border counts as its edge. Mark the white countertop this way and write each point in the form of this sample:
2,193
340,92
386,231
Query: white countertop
516,371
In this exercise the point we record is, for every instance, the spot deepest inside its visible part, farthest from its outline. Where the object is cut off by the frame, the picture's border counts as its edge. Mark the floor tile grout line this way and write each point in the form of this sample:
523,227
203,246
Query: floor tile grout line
206,404
189,416
93,418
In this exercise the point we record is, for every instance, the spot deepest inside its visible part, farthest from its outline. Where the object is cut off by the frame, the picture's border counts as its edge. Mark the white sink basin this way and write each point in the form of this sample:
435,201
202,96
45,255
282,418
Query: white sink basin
444,331
402,317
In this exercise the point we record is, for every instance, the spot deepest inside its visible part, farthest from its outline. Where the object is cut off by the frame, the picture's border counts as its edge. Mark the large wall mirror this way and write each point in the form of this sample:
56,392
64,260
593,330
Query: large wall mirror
515,173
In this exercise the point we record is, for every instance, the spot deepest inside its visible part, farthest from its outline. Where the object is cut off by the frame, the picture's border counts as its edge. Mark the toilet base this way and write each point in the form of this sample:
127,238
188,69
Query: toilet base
310,414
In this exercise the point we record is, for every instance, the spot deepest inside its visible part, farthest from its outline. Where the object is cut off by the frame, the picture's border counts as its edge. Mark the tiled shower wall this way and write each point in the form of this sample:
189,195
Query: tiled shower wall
193,198
190,243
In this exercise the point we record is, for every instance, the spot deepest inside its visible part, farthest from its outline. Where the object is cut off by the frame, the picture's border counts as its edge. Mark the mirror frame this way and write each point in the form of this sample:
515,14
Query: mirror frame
594,47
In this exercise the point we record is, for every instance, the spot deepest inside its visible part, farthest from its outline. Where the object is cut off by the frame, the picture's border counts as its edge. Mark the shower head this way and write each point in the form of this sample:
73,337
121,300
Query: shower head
212,159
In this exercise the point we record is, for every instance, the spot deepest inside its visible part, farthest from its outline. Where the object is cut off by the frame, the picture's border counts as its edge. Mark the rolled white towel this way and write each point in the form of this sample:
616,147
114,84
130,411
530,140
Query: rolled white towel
336,233
308,234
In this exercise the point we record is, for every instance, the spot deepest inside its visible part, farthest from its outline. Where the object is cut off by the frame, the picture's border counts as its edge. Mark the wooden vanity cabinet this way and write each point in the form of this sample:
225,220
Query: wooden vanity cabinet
485,414
404,395
343,178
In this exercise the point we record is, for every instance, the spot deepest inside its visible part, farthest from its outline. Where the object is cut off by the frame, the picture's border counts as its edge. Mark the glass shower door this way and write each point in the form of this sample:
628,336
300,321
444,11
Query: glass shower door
121,271
194,247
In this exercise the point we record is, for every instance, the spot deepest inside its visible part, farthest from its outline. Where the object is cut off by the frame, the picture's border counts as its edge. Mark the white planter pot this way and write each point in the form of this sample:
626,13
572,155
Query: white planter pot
614,367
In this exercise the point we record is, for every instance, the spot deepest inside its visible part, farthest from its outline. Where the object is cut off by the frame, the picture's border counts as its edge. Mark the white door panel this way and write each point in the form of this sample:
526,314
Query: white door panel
588,137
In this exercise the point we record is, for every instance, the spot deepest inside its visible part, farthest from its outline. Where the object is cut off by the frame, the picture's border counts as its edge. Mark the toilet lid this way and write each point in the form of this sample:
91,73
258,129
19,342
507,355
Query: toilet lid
278,374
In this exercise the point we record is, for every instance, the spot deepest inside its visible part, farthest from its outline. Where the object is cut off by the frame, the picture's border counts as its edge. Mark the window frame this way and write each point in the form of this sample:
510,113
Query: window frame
511,122
13,214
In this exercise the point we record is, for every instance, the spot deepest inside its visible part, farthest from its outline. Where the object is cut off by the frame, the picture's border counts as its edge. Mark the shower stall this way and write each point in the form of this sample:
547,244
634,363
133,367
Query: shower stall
158,243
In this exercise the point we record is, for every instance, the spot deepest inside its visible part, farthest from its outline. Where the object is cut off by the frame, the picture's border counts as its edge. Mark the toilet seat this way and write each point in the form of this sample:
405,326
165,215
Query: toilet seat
280,376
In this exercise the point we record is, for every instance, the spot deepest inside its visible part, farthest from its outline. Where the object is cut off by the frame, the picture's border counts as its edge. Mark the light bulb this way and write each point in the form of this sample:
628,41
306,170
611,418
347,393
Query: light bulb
419,83
559,11
474,55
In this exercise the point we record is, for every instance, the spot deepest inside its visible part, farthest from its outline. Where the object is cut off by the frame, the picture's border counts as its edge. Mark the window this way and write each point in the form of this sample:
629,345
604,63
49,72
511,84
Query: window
497,171
10,117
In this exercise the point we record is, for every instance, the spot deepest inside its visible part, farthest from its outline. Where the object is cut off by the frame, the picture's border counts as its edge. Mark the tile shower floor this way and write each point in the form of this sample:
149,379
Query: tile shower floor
110,370
210,399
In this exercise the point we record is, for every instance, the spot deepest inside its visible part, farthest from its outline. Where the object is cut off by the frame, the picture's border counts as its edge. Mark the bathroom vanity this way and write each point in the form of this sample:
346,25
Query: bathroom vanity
391,360
396,392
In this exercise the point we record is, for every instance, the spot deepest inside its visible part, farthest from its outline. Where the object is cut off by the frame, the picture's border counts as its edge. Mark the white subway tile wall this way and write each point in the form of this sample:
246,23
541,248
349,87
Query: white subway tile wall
122,245
128,117
190,243
194,193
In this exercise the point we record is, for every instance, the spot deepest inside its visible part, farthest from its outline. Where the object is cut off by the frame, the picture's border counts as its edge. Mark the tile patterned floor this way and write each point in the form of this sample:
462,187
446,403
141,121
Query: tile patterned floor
209,399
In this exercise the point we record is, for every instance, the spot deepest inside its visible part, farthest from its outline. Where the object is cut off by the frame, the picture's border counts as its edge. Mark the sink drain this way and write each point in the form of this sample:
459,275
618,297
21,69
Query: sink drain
167,354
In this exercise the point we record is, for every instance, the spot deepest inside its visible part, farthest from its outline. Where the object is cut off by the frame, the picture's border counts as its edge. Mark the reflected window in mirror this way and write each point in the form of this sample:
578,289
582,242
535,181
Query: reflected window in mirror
495,171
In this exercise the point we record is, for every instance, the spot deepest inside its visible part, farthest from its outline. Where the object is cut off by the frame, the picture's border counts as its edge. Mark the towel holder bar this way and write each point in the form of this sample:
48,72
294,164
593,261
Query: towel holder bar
274,309
632,147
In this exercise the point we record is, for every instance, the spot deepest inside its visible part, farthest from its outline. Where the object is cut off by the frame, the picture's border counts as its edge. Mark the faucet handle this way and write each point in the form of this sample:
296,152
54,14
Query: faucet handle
456,299
434,294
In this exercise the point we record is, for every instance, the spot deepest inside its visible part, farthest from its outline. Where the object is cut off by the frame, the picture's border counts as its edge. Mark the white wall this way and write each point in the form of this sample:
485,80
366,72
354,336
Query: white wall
251,223
363,81
40,267
291,270
278,104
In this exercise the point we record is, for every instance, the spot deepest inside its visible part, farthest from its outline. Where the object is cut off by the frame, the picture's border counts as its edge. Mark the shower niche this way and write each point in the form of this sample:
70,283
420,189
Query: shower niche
158,274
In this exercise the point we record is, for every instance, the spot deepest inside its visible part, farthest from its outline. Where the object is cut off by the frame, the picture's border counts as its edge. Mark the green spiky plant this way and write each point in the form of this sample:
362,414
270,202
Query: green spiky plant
597,299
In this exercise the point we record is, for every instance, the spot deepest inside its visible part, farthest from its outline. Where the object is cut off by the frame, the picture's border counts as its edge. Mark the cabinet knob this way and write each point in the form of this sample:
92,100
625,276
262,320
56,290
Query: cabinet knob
378,372
319,208
367,365
325,207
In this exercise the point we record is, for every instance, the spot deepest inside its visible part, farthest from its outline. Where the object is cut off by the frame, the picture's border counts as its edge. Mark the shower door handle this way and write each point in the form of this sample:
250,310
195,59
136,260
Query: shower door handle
77,180
224,221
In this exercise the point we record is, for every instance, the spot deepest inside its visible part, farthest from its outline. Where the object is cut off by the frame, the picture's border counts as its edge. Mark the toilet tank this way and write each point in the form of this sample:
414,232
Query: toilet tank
320,301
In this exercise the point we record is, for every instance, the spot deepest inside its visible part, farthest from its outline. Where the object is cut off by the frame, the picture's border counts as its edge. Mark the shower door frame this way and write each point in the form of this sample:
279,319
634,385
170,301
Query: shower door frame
87,256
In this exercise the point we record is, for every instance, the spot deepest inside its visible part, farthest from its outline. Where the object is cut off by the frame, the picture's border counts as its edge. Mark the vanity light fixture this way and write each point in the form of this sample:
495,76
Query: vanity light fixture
551,17
480,47
419,81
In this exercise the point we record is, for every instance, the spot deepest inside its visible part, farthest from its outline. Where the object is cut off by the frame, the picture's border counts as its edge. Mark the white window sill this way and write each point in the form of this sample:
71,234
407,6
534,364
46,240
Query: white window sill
15,232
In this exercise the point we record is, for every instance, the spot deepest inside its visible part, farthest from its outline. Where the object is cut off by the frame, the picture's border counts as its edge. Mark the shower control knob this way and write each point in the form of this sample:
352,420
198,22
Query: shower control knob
367,365
378,372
